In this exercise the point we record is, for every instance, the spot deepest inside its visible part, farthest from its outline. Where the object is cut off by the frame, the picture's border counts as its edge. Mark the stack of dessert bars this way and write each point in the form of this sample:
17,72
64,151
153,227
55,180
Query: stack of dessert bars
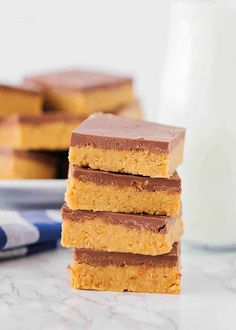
122,215
36,118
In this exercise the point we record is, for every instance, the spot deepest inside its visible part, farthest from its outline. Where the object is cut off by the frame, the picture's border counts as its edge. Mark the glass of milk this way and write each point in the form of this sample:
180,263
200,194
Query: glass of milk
198,91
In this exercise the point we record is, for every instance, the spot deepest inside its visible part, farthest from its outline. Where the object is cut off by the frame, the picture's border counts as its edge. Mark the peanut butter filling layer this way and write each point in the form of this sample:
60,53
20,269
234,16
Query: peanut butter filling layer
91,196
130,278
144,163
19,100
18,165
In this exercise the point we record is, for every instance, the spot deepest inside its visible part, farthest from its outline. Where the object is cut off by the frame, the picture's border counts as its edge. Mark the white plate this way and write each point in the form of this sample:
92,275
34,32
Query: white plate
31,193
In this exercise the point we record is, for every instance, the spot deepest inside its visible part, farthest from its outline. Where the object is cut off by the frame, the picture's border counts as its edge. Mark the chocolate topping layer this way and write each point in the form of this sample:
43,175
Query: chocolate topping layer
42,157
99,258
126,180
77,80
108,131
19,89
154,223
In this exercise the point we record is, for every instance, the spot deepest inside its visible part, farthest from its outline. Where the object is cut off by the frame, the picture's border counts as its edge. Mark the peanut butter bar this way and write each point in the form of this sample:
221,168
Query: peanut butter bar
48,131
83,92
15,164
120,232
19,100
96,190
112,143
113,271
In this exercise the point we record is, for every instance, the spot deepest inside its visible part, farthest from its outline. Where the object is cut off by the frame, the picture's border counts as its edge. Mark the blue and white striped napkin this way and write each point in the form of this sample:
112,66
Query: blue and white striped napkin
27,232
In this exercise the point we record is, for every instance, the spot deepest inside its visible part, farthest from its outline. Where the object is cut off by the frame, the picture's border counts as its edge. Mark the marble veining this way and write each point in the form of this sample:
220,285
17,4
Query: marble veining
35,294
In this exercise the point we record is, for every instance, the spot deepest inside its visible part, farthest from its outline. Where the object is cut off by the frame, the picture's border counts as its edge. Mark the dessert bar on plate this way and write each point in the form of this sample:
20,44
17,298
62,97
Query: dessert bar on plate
83,92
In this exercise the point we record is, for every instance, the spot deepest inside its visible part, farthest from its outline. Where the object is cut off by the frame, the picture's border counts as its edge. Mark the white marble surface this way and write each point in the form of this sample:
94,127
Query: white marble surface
35,294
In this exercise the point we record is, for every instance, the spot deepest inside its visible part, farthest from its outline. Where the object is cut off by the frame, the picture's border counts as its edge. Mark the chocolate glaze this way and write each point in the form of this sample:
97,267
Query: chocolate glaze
42,157
99,258
154,223
126,180
108,131
76,80
19,89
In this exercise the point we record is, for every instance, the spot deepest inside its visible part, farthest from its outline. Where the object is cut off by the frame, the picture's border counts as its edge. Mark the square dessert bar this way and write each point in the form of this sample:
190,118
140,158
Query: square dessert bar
96,190
120,232
112,143
83,92
15,164
113,271
19,100
47,131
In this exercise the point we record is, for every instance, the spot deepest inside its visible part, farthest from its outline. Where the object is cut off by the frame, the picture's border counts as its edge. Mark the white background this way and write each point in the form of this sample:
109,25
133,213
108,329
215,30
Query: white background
127,36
